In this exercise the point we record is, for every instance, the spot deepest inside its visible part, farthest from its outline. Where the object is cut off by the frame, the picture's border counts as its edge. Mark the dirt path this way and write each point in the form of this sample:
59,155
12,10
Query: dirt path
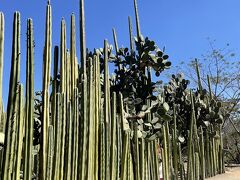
231,174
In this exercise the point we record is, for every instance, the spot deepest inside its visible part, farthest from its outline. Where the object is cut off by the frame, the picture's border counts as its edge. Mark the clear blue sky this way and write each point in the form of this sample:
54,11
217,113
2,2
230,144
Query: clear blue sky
180,25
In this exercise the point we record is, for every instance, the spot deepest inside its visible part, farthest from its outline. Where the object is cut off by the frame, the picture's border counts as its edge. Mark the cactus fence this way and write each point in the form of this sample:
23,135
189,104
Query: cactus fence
86,124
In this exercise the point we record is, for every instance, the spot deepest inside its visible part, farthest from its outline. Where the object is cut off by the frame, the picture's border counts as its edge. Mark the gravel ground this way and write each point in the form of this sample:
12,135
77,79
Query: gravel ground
230,174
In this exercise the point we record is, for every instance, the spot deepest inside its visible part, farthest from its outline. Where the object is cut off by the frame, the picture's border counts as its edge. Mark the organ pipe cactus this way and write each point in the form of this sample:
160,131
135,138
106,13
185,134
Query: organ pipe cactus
1,65
84,90
20,134
73,54
29,102
45,92
97,127
58,138
13,86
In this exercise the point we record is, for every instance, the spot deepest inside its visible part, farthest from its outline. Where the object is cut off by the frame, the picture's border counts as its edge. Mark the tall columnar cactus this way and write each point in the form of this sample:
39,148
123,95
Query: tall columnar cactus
131,40
63,50
84,91
1,65
190,164
115,41
106,108
90,121
62,135
63,99
198,76
68,156
73,54
13,86
49,169
175,146
202,154
58,138
137,19
29,102
45,93
97,111
54,89
20,134
136,150
75,135
113,160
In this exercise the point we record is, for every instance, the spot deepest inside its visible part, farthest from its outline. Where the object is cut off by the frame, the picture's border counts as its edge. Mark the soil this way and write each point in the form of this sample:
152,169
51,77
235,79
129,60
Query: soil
232,173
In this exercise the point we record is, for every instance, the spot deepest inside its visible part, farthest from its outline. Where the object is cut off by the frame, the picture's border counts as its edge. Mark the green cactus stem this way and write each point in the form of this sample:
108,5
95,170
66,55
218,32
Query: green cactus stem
57,139
20,134
50,153
29,102
45,93
137,19
1,65
113,160
13,85
82,169
73,54
175,155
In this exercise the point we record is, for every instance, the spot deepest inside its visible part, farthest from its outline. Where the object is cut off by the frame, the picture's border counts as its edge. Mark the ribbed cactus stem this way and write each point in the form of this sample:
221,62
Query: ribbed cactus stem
63,57
68,76
29,102
84,90
130,33
165,153
54,89
63,134
198,75
13,85
221,152
63,90
76,134
116,46
137,19
57,140
20,132
208,161
197,173
136,150
190,139
115,40
97,111
142,159
113,159
102,152
181,165
50,153
106,108
91,121
175,147
1,60
69,150
125,155
202,154
45,93
73,53
209,86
